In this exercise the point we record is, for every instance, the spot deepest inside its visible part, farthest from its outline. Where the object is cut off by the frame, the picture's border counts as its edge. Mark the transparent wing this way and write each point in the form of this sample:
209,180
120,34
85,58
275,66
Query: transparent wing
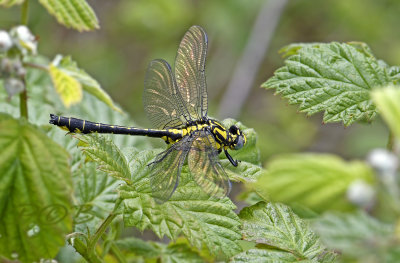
166,169
190,71
162,101
205,167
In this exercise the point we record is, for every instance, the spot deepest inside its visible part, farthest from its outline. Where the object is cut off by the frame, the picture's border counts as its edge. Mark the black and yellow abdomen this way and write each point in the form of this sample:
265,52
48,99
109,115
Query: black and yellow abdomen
82,126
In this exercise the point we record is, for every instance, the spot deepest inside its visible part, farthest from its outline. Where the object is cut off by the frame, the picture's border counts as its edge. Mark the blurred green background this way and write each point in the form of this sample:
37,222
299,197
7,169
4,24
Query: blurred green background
133,32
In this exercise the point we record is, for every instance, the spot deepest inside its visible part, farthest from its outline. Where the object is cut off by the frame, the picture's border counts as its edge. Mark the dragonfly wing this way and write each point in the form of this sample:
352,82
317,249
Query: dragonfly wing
166,169
162,101
205,167
190,71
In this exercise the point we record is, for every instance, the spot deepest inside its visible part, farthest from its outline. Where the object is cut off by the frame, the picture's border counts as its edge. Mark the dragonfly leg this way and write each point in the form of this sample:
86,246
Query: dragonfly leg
233,162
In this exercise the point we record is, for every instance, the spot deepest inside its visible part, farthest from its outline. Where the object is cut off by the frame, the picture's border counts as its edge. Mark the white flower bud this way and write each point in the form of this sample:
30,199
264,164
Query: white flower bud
5,41
361,194
24,39
383,161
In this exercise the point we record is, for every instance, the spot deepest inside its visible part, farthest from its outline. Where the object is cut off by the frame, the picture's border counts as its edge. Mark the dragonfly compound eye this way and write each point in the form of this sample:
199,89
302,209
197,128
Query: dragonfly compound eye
239,142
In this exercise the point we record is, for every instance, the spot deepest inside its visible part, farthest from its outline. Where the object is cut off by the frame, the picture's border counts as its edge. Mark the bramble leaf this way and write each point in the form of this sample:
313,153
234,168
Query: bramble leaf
76,14
355,235
276,227
35,188
387,100
69,89
317,181
96,195
9,3
174,252
335,78
69,78
190,211
108,156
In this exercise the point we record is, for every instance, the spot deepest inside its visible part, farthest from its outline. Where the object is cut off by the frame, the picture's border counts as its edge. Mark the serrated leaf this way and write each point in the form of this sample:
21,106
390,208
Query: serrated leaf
387,100
394,73
356,235
174,252
335,78
96,195
316,181
76,14
139,247
276,226
69,89
190,211
67,68
265,256
108,156
35,188
9,3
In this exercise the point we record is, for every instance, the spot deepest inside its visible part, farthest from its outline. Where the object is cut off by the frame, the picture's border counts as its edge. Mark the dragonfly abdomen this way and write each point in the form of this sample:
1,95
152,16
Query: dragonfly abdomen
82,126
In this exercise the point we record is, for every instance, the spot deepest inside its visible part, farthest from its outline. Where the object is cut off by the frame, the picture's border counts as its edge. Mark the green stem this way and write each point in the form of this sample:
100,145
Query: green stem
23,103
390,143
24,12
80,247
23,97
36,66
117,253
100,231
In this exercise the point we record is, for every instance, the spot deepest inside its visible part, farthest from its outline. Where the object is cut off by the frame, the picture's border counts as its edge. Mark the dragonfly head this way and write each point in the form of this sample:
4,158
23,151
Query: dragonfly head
238,138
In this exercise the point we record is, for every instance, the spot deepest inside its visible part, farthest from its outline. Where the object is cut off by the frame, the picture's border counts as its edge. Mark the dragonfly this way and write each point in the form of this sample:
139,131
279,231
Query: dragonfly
176,103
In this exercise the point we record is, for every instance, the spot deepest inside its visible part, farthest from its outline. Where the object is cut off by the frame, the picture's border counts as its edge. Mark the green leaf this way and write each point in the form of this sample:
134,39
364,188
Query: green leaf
265,256
9,3
139,247
277,227
35,188
69,80
190,211
316,181
69,89
387,100
96,195
108,156
76,14
174,252
335,78
356,235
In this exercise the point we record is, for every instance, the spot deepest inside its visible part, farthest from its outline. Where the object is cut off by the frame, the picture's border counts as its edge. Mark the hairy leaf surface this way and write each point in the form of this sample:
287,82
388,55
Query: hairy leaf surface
317,181
76,14
276,226
190,211
335,78
35,188
96,195
107,156
387,100
174,252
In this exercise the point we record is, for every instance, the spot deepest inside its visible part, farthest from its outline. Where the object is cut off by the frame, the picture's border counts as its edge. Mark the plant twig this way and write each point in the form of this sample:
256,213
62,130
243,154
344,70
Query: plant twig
390,143
23,101
36,66
24,12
